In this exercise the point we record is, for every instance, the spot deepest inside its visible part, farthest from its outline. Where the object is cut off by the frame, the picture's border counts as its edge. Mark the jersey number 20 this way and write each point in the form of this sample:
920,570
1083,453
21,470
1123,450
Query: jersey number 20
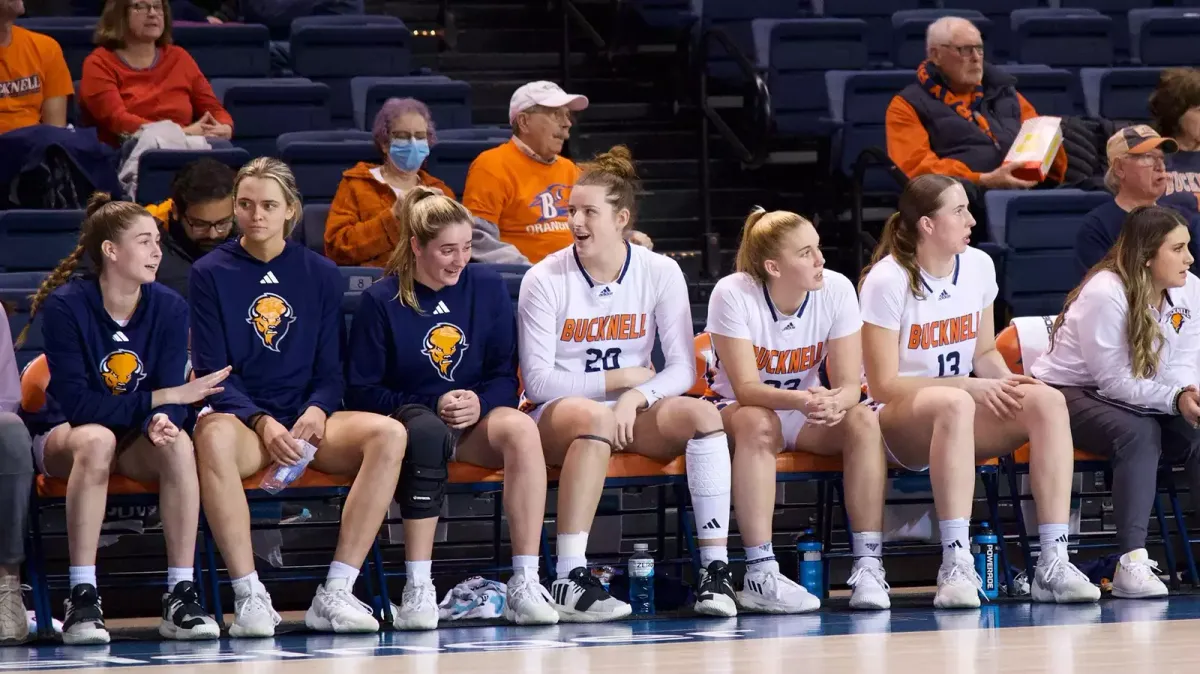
948,364
602,360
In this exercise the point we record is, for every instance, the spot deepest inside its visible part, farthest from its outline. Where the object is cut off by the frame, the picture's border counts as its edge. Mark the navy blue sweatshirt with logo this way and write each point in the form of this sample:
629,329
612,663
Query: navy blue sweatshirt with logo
102,372
277,323
465,339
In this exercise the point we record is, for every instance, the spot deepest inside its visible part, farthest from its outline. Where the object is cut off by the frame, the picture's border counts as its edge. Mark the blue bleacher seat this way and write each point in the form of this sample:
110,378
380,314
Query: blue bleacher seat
1038,229
501,133
449,160
1165,36
858,100
311,230
264,108
1117,10
327,136
1051,91
36,240
318,164
15,291
909,28
795,53
878,16
997,11
229,50
449,101
1068,38
1118,93
157,169
734,17
334,52
73,34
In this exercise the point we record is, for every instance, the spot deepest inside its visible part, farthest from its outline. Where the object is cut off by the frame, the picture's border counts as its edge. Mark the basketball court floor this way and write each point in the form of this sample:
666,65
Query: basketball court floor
1126,637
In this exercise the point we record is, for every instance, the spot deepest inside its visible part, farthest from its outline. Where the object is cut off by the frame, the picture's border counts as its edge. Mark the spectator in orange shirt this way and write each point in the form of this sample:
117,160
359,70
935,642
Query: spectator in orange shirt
136,76
962,115
34,80
361,228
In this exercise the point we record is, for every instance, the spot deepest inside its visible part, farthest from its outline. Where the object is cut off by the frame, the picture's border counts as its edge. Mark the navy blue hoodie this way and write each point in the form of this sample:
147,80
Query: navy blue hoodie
465,339
104,373
277,323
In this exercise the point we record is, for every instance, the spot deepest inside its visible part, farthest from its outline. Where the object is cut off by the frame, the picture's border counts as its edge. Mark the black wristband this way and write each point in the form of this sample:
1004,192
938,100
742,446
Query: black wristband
1175,402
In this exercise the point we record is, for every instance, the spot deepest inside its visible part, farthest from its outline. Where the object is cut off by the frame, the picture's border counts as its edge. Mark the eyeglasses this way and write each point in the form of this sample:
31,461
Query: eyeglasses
561,115
1149,160
146,7
965,50
221,226
409,135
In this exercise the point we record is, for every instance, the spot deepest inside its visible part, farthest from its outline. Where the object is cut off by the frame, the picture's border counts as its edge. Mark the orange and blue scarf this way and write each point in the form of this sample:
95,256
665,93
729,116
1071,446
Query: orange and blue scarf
966,105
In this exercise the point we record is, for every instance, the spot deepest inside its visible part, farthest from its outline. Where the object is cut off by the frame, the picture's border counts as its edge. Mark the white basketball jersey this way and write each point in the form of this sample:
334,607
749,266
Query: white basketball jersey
788,348
937,331
599,327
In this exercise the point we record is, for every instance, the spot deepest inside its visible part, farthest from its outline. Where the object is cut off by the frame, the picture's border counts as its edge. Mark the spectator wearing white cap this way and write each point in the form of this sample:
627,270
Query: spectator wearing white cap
518,192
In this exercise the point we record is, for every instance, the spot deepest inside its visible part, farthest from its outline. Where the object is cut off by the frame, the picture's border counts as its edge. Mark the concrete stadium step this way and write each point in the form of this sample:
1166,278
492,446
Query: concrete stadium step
732,202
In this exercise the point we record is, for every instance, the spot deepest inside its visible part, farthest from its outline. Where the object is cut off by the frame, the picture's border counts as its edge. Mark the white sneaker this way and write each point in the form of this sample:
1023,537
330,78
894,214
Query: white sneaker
716,596
528,602
1056,580
336,609
14,621
772,592
418,608
580,598
253,615
1137,577
958,583
870,587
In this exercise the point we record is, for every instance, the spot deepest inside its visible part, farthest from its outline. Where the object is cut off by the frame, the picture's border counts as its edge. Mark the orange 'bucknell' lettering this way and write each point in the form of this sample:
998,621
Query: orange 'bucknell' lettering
934,334
604,328
788,361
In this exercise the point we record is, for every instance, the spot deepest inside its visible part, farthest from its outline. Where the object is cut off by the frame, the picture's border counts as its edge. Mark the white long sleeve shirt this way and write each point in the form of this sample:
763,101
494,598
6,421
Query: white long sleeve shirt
572,329
1090,348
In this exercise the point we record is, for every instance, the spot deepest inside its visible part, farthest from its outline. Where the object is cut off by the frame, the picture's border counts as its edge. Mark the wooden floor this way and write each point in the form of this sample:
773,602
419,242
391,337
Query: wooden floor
1122,637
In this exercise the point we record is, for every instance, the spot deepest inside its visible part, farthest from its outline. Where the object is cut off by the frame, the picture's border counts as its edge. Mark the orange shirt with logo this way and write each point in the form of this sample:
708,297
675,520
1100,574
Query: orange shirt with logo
526,199
32,69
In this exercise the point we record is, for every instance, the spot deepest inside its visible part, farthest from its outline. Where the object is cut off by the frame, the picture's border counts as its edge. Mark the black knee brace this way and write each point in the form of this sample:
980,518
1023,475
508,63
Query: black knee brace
423,474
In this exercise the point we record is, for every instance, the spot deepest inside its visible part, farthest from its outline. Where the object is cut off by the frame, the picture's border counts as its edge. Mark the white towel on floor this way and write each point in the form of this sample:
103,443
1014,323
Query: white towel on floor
475,597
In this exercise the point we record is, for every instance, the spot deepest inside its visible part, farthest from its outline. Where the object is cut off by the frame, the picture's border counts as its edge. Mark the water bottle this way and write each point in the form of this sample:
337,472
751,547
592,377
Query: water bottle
983,547
641,580
280,476
812,569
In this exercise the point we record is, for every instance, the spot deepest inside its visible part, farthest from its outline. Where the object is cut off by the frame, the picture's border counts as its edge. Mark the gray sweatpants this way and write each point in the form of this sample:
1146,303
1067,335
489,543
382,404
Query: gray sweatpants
1133,443
16,478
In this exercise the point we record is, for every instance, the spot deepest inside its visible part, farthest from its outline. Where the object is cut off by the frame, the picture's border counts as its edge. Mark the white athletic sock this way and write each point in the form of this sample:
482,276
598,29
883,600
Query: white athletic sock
712,553
572,553
866,543
82,575
1054,541
421,570
709,474
761,558
338,570
244,586
178,574
956,535
526,565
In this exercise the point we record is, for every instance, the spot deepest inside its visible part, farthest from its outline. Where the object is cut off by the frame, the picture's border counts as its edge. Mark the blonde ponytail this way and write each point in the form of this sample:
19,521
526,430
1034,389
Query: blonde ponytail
921,198
420,215
762,239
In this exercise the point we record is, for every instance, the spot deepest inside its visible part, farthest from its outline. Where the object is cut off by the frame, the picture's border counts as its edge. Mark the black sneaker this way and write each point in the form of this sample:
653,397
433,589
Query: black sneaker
716,595
183,618
580,598
85,621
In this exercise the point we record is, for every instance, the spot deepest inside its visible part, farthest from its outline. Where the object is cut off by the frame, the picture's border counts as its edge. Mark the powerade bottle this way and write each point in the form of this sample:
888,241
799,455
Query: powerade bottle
641,580
812,569
983,547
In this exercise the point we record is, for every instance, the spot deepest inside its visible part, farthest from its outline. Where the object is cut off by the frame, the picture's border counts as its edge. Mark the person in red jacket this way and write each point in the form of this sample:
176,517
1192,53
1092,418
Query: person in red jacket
136,76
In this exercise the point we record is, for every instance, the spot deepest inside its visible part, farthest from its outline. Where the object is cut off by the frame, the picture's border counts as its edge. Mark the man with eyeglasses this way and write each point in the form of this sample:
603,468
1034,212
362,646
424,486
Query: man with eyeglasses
962,115
196,219
1137,176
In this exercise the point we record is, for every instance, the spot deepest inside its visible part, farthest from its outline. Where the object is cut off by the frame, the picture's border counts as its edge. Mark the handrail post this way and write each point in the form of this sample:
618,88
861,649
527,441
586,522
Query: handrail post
710,239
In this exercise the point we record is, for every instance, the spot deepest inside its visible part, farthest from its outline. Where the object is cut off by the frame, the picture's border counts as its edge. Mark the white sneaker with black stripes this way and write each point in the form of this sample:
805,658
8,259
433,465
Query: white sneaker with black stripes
183,618
580,598
769,591
716,595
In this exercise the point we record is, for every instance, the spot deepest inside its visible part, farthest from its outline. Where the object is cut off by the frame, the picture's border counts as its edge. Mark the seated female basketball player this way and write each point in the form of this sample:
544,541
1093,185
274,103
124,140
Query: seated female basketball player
117,403
434,345
588,318
1123,352
927,304
772,323
271,309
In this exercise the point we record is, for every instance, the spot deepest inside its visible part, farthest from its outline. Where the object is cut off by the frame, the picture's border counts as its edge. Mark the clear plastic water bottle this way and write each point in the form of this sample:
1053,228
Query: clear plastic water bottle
641,580
280,476
812,569
983,548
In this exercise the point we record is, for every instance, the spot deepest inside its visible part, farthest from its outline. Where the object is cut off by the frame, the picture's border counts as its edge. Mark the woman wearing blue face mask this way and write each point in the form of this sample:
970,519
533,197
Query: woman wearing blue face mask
361,229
